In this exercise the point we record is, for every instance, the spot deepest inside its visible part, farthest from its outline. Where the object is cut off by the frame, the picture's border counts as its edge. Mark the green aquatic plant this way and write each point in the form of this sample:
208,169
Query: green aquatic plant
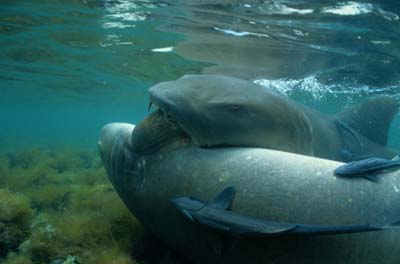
14,258
69,160
34,176
15,216
110,255
90,177
4,171
82,232
25,159
45,241
51,196
69,210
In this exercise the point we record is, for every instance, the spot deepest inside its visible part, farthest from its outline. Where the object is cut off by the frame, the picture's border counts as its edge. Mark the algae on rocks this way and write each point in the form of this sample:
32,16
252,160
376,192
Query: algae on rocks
15,217
59,206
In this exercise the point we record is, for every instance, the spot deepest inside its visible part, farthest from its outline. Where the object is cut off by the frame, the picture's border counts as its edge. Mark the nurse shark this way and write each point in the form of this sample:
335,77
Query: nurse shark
287,208
221,111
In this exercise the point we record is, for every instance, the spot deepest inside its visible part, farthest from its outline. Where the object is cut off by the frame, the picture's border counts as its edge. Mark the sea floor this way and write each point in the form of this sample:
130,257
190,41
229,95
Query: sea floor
59,207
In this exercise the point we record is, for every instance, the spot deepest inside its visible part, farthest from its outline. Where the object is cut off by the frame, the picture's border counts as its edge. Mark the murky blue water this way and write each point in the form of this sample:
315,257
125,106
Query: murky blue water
69,67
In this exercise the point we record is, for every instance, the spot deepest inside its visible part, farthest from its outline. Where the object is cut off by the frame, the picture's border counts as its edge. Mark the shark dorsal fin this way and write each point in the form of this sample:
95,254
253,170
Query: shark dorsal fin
224,199
372,118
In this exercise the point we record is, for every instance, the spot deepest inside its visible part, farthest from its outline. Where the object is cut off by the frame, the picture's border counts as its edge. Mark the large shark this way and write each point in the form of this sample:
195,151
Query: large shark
287,208
221,111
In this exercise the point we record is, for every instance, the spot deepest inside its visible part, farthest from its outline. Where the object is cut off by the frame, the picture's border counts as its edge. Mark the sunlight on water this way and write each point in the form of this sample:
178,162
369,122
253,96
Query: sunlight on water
349,9
240,34
354,8
318,91
124,14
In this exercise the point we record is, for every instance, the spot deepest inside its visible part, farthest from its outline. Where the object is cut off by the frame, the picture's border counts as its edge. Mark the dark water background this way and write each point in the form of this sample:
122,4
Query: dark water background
69,67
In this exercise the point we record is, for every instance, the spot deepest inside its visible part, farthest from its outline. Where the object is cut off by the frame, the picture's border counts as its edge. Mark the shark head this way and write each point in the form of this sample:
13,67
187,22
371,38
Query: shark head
220,111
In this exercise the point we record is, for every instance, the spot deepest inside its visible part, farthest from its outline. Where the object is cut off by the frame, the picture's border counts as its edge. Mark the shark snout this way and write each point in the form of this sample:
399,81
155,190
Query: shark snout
114,144
109,136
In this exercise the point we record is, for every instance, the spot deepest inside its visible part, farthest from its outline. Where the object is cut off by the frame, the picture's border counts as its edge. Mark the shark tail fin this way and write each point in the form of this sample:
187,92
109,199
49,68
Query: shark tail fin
372,118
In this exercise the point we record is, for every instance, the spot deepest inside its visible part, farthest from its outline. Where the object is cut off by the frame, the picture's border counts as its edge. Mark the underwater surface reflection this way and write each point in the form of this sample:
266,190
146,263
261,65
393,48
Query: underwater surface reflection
82,64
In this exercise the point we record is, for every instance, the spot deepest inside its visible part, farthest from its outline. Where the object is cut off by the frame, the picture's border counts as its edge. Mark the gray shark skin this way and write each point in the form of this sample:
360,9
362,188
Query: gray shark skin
221,111
278,186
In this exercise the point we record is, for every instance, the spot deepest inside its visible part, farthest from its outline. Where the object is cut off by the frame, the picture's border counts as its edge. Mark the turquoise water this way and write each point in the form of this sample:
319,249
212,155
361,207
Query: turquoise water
69,67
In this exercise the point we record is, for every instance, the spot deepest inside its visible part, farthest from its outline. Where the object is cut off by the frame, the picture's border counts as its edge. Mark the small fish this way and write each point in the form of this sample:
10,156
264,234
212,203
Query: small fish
369,168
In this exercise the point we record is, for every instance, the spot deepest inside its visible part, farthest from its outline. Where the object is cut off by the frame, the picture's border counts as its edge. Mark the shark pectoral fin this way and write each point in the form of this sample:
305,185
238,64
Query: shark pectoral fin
372,118
224,199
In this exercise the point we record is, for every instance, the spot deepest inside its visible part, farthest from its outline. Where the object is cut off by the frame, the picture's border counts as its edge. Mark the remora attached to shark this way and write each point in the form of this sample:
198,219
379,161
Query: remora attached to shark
220,111
218,216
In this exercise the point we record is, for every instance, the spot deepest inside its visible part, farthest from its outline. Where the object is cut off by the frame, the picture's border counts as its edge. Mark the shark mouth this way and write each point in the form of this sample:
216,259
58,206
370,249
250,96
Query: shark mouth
159,130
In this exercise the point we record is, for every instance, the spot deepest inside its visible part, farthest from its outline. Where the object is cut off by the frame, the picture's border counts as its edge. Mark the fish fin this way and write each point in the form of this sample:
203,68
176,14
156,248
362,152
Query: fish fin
247,226
283,229
187,215
277,229
319,230
359,168
350,170
250,226
224,199
231,223
372,118
372,177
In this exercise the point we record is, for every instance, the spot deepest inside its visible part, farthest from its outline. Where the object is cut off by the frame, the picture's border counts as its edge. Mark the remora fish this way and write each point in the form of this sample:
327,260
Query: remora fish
216,215
370,168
